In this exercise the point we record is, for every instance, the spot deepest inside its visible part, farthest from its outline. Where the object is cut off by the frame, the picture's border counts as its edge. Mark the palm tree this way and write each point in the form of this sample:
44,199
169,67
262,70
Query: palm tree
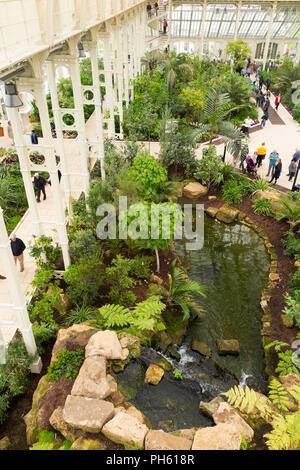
217,107
151,59
182,292
290,210
172,63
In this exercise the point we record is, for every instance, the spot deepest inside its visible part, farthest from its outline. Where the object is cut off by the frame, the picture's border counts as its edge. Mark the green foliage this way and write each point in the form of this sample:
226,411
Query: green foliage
260,184
84,279
84,243
79,315
285,433
291,244
43,308
144,316
43,333
14,375
278,395
182,293
177,153
290,210
232,192
263,206
286,363
296,112
45,252
140,267
148,175
210,168
67,364
177,374
238,50
46,441
292,310
118,278
12,192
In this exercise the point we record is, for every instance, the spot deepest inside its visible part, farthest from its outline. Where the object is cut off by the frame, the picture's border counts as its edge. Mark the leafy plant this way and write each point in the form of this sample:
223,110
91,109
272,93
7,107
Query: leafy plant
79,314
260,184
84,243
291,244
210,168
278,395
263,206
177,374
118,278
232,192
45,252
144,316
292,310
67,364
46,441
43,332
290,210
286,364
182,293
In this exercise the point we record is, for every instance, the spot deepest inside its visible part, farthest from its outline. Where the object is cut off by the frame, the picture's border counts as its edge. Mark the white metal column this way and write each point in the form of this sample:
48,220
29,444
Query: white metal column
109,96
202,30
268,37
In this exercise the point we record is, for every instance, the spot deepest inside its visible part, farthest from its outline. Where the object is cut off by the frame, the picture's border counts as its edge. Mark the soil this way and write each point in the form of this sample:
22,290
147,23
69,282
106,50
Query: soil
275,231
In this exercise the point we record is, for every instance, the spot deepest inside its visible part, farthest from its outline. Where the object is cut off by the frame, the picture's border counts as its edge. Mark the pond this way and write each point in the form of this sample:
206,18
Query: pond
233,266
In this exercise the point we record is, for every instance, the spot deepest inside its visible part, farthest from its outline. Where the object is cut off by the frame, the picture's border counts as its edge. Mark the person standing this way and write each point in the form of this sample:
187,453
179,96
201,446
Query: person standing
277,171
268,83
272,162
149,8
165,25
39,184
264,119
156,8
34,138
17,248
297,155
292,169
266,106
261,153
278,101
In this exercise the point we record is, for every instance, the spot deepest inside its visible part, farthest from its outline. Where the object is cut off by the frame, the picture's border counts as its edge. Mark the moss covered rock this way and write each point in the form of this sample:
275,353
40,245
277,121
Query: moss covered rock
87,444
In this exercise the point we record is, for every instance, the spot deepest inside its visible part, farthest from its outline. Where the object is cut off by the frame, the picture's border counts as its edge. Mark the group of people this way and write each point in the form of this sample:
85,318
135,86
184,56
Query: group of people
275,163
151,11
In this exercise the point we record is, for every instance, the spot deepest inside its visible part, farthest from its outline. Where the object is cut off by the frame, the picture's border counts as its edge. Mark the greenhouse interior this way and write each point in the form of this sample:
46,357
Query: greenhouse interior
149,172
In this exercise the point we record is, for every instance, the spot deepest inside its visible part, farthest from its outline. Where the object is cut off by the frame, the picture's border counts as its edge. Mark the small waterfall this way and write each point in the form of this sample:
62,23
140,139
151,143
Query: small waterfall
243,379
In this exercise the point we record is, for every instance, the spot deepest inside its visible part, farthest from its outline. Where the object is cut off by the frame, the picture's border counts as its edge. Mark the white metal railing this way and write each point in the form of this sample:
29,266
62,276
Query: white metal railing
30,26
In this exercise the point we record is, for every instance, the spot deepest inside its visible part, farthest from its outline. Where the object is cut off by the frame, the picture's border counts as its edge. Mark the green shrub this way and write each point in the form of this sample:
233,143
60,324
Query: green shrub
45,252
263,206
43,332
67,364
148,175
43,308
118,278
84,243
210,168
292,244
260,185
177,154
140,267
292,310
296,112
79,315
232,192
84,279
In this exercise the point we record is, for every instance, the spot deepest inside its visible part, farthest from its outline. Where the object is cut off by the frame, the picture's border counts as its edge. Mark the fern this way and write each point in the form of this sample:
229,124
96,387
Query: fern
114,316
278,395
246,399
295,392
285,434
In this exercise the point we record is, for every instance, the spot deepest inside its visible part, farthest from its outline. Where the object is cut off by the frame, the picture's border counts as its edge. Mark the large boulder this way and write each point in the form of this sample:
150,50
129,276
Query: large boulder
154,374
133,411
130,342
220,437
32,428
273,196
211,211
126,429
88,414
210,407
194,190
160,440
106,344
228,346
226,414
202,348
76,335
91,381
227,214
59,424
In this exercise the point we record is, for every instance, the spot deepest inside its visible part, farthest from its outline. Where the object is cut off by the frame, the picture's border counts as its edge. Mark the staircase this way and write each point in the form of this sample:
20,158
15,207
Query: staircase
159,42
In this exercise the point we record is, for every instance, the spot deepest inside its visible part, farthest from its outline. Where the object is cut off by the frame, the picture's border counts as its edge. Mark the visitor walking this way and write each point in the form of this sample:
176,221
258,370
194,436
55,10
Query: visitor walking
277,171
156,8
34,138
17,248
244,153
39,184
266,106
278,101
268,83
149,8
264,119
297,155
165,25
261,153
272,162
292,169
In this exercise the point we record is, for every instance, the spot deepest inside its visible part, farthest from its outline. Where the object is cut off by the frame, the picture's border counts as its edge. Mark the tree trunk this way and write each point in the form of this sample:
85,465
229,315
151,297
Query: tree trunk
157,260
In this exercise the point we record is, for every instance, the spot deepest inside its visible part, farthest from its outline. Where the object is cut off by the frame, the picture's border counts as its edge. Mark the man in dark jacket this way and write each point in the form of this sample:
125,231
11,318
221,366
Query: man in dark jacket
268,83
277,171
17,248
34,138
39,184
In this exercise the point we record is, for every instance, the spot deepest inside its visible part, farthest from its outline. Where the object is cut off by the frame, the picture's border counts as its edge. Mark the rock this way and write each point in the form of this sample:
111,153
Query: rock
133,411
219,437
287,321
202,348
160,440
188,434
76,334
130,342
4,443
63,304
116,398
126,429
87,444
227,214
112,383
272,196
210,407
228,346
88,414
194,190
164,364
226,414
154,374
290,381
58,423
162,340
173,353
212,198
91,381
106,344
32,429
212,211
274,277
156,279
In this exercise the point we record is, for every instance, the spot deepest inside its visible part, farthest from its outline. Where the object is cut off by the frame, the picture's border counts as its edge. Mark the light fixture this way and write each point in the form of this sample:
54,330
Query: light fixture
12,99
81,52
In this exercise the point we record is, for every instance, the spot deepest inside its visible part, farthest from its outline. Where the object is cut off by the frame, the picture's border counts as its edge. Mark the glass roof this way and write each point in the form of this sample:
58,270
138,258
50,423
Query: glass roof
220,20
